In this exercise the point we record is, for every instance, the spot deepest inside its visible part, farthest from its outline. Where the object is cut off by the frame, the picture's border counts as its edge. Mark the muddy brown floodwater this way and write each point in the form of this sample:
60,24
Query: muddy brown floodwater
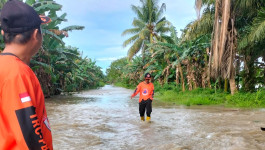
108,119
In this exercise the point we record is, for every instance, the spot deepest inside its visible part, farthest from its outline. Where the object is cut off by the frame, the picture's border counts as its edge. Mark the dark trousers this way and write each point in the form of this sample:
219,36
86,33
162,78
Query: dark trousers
145,105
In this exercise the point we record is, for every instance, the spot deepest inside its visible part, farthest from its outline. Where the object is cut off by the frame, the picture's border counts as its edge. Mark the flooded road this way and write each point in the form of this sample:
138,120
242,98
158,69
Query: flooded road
108,119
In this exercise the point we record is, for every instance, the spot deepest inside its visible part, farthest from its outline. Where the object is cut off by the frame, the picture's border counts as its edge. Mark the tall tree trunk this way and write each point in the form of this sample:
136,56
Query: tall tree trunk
237,72
226,85
181,74
232,44
204,77
249,73
193,77
167,74
160,81
215,40
181,77
224,48
209,69
189,76
233,86
264,69
226,5
232,82
177,75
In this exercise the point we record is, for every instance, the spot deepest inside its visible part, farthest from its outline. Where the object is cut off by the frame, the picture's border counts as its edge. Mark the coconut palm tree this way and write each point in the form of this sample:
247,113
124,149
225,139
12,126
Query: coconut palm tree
203,24
257,30
149,27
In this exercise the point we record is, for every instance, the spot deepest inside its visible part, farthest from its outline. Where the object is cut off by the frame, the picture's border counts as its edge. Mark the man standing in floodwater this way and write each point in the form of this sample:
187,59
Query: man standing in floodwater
146,89
23,118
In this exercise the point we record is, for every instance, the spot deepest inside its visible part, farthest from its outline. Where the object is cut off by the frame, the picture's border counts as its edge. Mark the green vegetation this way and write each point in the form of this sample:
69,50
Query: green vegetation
220,52
149,26
60,68
171,94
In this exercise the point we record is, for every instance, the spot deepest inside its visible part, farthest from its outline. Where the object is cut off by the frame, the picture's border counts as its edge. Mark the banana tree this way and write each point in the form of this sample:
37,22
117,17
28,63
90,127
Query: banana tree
170,52
55,62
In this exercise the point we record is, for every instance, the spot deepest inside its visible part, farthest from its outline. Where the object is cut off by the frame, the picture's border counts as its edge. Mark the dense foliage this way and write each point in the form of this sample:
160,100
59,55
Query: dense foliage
223,49
60,68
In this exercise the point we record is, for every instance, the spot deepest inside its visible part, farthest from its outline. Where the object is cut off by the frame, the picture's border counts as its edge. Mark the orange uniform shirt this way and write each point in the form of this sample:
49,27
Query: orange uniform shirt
23,119
146,91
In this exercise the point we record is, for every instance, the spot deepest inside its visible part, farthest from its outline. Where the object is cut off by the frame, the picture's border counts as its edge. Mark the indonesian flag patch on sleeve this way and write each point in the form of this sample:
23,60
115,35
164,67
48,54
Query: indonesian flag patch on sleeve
24,97
46,122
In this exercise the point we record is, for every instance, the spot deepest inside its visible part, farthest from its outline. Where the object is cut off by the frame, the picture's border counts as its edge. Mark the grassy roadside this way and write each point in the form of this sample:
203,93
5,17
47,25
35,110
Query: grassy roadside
210,97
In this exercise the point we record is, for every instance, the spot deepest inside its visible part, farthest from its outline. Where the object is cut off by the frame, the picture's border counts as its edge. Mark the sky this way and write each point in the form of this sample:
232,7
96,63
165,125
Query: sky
105,20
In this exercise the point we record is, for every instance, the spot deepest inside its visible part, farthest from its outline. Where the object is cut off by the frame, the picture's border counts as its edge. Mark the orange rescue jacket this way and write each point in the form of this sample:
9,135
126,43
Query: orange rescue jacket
146,91
23,119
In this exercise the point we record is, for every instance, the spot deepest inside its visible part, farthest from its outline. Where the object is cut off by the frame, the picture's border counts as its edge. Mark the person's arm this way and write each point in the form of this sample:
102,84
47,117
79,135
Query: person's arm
152,92
136,91
19,109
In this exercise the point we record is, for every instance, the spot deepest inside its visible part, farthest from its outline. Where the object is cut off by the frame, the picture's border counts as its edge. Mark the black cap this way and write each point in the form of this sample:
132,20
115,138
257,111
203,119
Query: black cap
147,76
18,17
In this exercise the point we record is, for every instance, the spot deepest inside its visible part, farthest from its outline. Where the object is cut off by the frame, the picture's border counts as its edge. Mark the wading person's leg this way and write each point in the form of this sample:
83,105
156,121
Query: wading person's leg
148,109
142,106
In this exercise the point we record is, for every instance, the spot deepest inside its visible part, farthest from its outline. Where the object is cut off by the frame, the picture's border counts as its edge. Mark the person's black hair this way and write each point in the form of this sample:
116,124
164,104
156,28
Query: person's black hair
147,75
19,38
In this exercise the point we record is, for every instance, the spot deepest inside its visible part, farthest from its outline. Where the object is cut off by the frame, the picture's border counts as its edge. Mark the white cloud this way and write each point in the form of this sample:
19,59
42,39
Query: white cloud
109,59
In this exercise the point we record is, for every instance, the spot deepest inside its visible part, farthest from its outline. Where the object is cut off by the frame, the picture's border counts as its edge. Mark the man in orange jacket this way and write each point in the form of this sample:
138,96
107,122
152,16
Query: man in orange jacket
23,119
146,89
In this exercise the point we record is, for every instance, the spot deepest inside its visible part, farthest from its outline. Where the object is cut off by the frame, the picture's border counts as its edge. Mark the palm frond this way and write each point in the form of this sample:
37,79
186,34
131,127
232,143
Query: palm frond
144,34
71,55
55,20
61,18
130,40
53,35
46,67
161,11
160,25
135,48
161,20
138,23
174,34
131,31
168,39
163,30
29,2
258,29
138,12
41,7
73,27
199,27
